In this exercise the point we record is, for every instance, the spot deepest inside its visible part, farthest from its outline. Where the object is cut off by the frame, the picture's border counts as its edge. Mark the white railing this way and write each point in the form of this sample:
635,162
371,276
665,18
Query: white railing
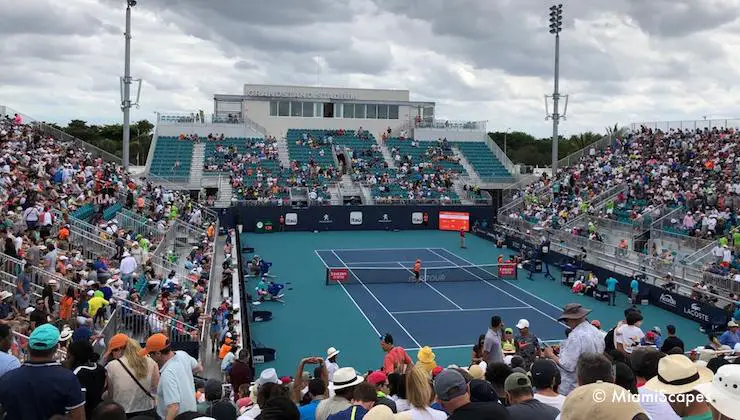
175,118
453,125
688,124
501,156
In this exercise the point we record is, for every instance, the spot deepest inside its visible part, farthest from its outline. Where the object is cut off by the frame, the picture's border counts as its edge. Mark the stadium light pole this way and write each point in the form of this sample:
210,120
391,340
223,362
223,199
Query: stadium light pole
126,99
556,26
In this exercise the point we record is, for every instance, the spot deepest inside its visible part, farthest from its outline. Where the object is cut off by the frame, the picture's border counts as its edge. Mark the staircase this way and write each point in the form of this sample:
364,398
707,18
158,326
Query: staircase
387,154
283,154
348,187
458,187
196,165
336,195
225,193
472,174
367,196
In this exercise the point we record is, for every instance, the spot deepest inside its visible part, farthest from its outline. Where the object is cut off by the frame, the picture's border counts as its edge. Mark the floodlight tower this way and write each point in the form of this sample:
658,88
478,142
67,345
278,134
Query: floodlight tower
126,82
556,26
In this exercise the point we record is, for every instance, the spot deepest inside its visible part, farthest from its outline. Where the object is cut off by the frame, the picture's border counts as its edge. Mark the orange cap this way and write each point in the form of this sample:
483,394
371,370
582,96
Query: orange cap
156,342
116,342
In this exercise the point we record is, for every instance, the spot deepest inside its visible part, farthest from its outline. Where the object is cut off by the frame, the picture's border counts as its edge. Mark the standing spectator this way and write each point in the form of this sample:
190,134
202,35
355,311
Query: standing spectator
331,361
492,351
132,379
527,344
629,335
175,391
522,404
419,393
634,290
396,359
677,374
583,338
425,360
672,340
477,355
316,391
83,361
8,362
6,308
731,336
65,306
128,267
345,381
41,387
545,380
587,403
454,394
241,371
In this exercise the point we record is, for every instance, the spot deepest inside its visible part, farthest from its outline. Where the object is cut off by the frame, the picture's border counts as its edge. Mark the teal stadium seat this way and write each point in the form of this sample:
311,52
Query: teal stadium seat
485,163
168,151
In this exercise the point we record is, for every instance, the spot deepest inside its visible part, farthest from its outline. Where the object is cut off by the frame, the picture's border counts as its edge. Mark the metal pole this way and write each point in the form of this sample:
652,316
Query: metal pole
555,114
505,135
126,104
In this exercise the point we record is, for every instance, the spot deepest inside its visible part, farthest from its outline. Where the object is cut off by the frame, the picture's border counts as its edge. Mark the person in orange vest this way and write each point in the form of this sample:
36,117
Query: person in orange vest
225,347
417,270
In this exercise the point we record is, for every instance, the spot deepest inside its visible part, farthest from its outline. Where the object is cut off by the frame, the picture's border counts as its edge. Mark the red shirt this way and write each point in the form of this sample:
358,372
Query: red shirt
462,233
395,358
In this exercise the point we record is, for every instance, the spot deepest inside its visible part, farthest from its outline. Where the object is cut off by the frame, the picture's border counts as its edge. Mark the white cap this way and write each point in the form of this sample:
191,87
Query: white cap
523,323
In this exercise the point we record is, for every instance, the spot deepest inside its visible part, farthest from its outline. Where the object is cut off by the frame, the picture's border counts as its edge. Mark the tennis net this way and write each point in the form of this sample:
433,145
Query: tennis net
375,275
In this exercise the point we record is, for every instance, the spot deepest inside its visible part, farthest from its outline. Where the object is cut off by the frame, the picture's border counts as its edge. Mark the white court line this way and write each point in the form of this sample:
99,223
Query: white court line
373,249
379,302
465,346
507,293
523,290
394,262
316,251
430,311
435,289
361,311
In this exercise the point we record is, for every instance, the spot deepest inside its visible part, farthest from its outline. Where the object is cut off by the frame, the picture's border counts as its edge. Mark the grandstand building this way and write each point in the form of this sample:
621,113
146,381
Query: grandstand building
392,125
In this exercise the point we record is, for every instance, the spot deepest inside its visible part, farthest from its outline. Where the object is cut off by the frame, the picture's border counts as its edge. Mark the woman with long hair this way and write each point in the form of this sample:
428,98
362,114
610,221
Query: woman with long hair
132,379
420,396
478,350
83,361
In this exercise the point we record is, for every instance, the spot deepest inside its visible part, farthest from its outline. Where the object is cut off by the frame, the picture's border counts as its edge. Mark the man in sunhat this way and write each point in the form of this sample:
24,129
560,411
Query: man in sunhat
41,388
731,336
331,361
677,374
723,393
599,401
583,338
345,381
175,390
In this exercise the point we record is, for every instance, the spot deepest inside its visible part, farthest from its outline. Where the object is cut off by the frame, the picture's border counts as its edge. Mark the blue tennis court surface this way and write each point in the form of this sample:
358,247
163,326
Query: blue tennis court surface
439,314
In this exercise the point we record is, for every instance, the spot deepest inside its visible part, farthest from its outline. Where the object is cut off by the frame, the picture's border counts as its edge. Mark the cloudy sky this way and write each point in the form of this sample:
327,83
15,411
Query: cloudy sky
622,60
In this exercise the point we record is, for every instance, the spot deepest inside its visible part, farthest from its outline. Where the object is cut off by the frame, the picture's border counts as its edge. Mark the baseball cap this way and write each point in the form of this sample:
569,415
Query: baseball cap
543,373
377,377
116,342
523,323
509,331
156,342
517,380
44,337
732,324
450,384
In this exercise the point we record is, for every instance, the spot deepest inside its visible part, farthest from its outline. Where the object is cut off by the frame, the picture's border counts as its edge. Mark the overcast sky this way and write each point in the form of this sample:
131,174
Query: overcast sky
622,60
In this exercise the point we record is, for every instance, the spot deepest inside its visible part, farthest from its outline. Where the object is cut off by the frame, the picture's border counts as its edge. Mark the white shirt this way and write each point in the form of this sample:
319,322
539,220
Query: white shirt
629,336
128,265
655,407
585,338
426,413
331,367
556,401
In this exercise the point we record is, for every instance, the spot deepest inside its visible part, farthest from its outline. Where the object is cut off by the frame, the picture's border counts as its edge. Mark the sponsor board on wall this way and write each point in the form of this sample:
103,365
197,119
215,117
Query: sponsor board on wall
291,219
417,218
385,218
355,218
326,219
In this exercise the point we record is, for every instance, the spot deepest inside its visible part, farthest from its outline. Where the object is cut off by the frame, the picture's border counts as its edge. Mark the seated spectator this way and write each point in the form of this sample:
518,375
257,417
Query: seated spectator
545,380
345,382
363,399
217,404
522,404
454,394
585,403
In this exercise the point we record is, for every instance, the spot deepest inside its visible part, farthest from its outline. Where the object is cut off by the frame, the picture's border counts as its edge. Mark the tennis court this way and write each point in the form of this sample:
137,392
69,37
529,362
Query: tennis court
449,310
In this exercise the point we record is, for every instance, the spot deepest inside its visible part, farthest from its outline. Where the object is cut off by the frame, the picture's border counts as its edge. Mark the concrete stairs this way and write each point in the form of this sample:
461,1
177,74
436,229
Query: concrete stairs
336,195
473,176
387,154
196,165
283,154
457,186
225,193
367,196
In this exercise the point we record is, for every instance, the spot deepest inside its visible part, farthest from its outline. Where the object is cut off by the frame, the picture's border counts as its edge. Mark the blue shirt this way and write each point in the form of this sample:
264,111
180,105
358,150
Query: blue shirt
8,362
176,384
38,391
736,317
308,411
356,412
728,338
611,284
634,285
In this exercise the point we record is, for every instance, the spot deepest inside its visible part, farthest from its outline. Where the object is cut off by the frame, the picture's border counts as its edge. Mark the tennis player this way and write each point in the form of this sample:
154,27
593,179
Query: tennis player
417,270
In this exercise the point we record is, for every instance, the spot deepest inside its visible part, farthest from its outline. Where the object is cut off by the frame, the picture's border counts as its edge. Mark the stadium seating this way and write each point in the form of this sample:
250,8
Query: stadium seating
168,152
421,153
485,163
242,146
297,151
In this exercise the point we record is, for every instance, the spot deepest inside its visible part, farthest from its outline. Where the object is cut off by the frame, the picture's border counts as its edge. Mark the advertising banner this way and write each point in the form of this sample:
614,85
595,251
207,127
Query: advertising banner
263,226
453,220
337,275
507,271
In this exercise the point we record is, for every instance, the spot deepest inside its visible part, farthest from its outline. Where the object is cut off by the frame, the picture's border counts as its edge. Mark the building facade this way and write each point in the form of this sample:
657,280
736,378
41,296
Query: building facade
274,109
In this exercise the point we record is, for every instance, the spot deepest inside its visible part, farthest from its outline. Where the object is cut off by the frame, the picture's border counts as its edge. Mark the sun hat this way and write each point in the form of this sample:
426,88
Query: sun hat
156,342
116,342
66,333
4,295
523,323
450,384
344,378
574,311
508,348
476,372
268,375
724,390
732,324
426,355
331,352
29,310
380,412
44,337
677,374
517,380
597,401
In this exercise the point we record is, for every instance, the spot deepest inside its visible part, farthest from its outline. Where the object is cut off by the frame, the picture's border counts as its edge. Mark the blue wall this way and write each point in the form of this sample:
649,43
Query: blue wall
338,217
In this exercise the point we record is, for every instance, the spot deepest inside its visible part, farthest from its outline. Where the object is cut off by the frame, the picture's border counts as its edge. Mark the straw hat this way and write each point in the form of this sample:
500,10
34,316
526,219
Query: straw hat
588,402
677,374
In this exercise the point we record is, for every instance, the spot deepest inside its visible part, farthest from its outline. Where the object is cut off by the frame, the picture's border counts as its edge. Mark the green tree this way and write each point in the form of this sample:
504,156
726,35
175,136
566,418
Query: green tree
109,137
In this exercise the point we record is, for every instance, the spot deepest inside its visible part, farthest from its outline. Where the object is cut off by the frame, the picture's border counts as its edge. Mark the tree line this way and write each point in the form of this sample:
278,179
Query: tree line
109,137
